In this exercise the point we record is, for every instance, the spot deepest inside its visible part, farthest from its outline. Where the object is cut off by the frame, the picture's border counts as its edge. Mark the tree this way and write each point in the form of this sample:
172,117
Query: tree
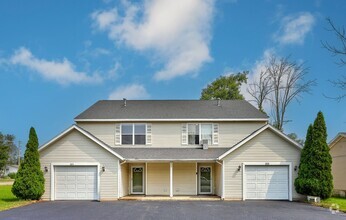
225,87
294,137
6,147
314,175
29,182
339,51
283,81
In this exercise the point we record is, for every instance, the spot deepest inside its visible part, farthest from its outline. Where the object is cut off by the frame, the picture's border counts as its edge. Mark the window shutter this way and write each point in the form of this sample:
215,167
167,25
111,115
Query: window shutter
184,134
148,134
117,134
215,133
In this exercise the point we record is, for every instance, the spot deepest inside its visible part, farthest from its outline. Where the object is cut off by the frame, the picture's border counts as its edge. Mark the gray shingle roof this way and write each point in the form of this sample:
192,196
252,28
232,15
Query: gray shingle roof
171,109
170,153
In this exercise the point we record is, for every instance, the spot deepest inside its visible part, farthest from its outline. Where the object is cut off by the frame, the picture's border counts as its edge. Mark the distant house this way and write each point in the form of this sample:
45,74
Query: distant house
170,148
338,152
11,169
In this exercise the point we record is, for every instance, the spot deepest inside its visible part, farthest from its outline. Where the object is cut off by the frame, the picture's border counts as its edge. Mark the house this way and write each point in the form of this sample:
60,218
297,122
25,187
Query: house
337,150
11,169
170,148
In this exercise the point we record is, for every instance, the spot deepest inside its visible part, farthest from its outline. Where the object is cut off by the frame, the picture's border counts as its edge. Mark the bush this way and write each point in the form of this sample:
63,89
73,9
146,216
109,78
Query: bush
314,175
12,175
29,182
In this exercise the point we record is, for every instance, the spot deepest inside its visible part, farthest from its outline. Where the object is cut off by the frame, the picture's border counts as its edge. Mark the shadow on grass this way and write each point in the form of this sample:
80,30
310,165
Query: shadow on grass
10,199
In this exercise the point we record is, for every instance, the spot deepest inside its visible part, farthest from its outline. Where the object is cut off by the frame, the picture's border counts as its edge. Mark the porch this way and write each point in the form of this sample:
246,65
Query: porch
171,180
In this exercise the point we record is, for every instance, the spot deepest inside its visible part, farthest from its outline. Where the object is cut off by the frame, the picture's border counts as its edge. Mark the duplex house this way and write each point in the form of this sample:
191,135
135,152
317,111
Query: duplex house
170,148
337,150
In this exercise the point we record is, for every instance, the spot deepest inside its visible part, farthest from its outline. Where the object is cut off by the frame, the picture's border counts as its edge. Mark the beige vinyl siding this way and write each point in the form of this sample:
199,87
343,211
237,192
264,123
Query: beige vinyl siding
169,134
266,147
125,182
104,131
158,179
338,153
184,179
218,179
76,148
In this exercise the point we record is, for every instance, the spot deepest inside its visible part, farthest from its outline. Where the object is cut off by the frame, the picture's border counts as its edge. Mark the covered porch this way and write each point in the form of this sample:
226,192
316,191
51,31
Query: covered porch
168,173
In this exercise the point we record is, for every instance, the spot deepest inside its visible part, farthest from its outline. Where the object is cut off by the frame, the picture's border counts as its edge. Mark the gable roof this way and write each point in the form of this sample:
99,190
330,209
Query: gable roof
257,132
336,139
165,110
86,134
167,154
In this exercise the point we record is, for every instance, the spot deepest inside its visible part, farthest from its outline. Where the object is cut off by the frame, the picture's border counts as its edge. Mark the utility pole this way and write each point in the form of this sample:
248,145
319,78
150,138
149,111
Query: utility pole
19,153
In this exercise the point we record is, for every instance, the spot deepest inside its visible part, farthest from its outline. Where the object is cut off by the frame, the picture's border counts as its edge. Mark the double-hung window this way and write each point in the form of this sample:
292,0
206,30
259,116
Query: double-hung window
199,132
133,134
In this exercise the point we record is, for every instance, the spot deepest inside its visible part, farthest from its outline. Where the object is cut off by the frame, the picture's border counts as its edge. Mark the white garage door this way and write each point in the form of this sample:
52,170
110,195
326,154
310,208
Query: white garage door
266,182
76,183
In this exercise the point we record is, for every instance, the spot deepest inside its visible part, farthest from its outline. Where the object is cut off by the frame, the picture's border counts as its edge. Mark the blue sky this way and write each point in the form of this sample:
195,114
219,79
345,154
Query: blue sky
59,57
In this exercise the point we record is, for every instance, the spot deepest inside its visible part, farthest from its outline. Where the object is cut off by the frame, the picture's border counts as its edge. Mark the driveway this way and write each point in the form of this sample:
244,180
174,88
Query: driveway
198,210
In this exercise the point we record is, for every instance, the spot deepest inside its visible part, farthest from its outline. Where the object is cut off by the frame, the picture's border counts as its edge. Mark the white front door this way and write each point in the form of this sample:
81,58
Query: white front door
137,180
205,180
76,183
267,182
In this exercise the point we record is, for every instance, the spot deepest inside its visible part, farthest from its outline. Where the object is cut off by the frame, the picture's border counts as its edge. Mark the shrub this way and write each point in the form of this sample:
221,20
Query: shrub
29,182
12,175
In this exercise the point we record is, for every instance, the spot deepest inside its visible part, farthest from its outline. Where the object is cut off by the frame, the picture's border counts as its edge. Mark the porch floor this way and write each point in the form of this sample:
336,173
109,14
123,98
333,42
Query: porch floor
174,198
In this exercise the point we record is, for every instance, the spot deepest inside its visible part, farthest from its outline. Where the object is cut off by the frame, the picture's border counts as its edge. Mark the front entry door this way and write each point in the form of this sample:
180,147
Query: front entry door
137,180
205,180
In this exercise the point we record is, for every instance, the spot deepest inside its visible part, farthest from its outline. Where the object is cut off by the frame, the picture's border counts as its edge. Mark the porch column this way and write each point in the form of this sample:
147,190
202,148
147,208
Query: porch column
171,179
223,180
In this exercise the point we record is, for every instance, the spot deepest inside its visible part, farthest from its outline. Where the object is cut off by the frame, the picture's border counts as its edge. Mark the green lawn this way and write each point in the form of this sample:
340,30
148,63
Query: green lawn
333,200
8,200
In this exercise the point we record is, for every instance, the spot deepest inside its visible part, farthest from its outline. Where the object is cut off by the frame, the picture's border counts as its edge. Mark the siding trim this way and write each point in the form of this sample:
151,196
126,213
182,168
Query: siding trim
167,119
254,134
289,164
72,164
86,134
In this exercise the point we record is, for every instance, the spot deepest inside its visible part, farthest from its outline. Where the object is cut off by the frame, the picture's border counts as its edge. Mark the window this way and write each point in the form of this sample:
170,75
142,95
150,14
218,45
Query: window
193,133
199,132
133,134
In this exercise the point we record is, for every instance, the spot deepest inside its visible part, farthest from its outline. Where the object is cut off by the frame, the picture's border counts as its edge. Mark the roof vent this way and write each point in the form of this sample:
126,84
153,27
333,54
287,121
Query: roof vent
124,102
218,102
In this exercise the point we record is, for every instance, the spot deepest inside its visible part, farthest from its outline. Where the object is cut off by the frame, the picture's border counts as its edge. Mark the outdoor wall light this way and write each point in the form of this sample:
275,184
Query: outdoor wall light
103,169
239,167
295,168
46,169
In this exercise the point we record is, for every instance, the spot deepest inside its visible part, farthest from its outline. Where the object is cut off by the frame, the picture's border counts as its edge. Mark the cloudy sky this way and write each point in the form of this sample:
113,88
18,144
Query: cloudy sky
58,58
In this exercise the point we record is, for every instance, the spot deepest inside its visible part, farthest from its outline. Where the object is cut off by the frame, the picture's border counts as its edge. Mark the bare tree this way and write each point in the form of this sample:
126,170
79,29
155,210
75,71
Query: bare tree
282,82
340,52
259,90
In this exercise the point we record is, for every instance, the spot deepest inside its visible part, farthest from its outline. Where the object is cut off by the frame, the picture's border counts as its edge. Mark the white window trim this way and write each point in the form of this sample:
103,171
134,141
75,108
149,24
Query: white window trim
211,180
289,164
199,132
133,133
139,193
72,164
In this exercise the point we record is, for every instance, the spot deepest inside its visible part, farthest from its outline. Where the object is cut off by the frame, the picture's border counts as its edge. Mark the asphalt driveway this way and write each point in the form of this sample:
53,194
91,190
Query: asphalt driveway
170,210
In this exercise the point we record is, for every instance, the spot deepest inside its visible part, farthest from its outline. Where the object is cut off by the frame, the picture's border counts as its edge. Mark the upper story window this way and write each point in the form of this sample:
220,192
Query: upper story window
199,132
133,134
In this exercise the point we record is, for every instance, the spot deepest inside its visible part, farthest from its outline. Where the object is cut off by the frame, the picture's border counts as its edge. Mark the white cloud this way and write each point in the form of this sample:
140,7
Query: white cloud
176,33
132,91
294,28
62,72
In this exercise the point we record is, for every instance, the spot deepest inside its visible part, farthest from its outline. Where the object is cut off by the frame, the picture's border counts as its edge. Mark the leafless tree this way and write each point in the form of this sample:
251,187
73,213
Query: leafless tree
340,52
260,90
282,82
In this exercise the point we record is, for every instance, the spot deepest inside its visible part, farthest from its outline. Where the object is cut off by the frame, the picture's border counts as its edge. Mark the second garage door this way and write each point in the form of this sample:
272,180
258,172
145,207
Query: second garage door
76,183
267,182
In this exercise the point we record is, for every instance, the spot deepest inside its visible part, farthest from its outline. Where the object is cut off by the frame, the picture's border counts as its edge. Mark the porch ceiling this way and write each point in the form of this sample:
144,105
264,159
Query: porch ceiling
170,153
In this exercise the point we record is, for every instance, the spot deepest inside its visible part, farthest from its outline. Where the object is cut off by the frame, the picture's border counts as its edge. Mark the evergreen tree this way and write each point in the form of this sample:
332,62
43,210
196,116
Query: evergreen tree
314,176
29,182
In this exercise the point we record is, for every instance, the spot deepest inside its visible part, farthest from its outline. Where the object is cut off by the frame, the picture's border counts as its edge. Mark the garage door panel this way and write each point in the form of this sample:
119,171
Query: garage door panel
266,182
75,183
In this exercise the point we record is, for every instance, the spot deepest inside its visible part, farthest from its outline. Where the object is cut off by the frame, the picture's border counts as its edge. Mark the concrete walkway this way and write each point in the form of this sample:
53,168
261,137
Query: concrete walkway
167,198
7,183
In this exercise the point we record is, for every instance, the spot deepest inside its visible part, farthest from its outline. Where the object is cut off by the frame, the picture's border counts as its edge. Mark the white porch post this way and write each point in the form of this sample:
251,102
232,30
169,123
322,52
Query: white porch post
146,178
171,179
196,179
223,180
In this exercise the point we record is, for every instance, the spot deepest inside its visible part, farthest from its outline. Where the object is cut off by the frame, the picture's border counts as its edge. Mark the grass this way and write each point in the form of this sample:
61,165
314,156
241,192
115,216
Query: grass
8,200
334,200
